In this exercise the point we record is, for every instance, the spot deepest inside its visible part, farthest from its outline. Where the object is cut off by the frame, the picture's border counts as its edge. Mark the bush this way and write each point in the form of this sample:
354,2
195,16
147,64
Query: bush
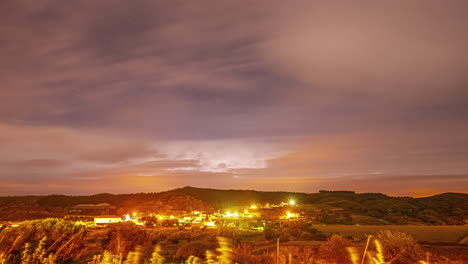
334,250
228,232
196,249
400,247
272,231
124,237
243,254
301,230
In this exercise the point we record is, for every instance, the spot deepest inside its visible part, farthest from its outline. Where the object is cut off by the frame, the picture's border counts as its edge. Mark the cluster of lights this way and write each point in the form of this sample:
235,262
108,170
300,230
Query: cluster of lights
134,216
229,214
291,215
212,224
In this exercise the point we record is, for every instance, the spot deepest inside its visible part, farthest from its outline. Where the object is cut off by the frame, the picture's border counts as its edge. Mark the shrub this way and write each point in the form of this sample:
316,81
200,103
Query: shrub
243,254
301,230
196,249
124,237
228,232
399,247
334,250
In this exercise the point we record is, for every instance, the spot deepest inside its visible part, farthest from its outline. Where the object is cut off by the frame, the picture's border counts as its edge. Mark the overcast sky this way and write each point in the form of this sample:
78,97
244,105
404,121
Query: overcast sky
140,96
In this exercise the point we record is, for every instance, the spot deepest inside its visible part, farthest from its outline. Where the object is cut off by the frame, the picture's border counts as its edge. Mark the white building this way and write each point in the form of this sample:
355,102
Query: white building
107,219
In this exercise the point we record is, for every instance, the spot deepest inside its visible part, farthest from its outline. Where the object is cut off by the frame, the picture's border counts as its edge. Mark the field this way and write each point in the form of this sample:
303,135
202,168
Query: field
422,234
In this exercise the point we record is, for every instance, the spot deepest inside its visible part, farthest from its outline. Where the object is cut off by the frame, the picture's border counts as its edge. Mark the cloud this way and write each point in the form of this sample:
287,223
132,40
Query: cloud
394,161
63,159
396,185
94,90
152,68
399,49
76,161
46,154
96,66
40,143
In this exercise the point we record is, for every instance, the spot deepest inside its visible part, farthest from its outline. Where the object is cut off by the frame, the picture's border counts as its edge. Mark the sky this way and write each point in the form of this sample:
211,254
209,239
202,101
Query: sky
146,96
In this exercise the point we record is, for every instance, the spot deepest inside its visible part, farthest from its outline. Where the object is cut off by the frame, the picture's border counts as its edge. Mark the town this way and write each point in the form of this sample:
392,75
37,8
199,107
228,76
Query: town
253,216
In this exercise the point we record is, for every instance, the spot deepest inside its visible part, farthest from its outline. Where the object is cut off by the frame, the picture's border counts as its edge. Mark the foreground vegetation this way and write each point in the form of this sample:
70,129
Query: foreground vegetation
422,234
57,241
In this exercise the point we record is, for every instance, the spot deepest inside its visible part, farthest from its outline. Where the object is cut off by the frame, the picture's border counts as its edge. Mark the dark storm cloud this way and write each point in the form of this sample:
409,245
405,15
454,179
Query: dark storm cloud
127,84
90,60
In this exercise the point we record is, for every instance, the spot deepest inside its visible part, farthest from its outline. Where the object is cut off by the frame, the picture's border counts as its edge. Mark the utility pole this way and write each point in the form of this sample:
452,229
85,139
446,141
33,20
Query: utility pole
289,259
277,250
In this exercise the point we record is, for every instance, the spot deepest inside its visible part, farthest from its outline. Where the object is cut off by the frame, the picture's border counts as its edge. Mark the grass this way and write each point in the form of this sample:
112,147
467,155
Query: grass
389,247
422,234
386,247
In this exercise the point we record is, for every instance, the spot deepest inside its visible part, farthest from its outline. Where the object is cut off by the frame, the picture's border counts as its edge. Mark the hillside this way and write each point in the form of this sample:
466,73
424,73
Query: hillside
340,207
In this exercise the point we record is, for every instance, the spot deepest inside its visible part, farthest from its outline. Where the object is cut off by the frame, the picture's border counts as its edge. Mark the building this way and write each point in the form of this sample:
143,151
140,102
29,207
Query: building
107,219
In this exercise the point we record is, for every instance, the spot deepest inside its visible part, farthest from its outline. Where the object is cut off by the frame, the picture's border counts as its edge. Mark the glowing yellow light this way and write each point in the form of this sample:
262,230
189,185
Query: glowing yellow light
135,214
289,215
292,202
210,224
127,217
171,217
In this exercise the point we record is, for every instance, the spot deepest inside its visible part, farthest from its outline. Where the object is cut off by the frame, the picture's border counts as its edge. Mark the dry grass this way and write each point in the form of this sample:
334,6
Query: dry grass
429,234
334,250
386,247
391,247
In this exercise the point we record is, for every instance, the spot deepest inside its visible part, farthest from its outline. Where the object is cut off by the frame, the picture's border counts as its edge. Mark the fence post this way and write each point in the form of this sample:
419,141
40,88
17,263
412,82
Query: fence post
277,250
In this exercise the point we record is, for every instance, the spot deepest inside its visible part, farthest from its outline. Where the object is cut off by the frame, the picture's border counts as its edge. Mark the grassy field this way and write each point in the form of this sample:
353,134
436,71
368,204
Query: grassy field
423,234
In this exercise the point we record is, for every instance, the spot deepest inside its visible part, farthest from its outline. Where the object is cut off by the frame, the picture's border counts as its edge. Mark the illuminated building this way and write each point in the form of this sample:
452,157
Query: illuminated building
107,219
